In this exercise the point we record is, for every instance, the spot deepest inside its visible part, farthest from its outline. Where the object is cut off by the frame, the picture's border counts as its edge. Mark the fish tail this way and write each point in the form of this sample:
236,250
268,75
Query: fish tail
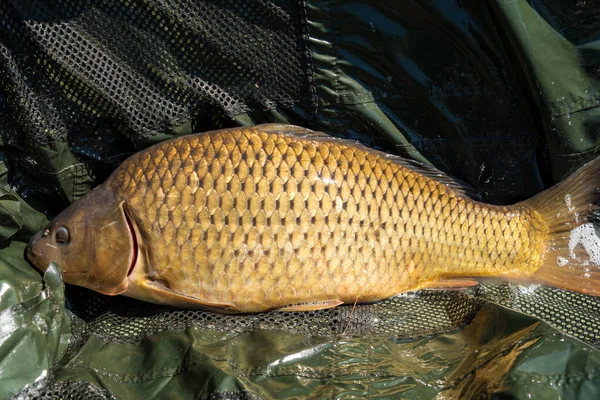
571,258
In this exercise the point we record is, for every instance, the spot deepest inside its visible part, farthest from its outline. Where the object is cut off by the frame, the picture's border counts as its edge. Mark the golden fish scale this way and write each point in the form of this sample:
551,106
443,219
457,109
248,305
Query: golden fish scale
263,220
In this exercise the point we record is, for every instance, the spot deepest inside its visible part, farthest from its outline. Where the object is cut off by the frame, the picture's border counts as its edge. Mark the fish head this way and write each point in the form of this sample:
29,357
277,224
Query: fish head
92,241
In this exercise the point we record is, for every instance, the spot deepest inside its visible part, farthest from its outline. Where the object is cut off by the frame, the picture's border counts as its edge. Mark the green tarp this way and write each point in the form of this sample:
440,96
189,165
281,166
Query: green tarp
504,95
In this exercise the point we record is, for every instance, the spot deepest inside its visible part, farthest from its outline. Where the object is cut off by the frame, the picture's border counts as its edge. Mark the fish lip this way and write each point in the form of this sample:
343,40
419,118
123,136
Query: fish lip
30,255
134,255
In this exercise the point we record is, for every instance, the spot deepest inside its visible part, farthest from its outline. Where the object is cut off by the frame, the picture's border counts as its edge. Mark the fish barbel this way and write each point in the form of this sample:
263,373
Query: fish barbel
279,217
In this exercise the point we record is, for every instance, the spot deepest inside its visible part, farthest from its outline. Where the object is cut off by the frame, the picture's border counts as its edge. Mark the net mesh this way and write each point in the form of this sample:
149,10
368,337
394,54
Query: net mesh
70,70
125,320
573,313
48,389
415,314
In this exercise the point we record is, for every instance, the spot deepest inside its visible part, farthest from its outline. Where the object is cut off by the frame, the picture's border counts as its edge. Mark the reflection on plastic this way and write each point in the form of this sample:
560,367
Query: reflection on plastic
30,335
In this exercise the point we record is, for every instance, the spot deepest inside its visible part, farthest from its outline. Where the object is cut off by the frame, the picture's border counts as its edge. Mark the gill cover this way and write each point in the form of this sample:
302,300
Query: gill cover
91,241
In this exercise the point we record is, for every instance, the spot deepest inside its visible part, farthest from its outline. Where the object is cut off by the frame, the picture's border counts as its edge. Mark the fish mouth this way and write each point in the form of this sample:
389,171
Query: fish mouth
134,255
30,254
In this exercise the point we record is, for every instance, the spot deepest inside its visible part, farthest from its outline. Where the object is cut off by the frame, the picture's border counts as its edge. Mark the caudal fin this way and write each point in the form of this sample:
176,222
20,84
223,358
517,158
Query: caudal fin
572,258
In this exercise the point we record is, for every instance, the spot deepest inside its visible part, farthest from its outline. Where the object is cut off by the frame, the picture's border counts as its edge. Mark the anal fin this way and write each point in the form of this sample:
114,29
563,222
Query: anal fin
450,284
312,306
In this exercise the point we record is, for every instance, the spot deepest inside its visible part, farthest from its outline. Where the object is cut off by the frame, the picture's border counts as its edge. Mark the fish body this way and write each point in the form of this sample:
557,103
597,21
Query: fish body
280,217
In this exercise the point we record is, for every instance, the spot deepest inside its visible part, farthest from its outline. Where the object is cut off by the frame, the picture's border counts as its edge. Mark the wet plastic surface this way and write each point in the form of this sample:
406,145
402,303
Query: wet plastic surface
33,335
501,94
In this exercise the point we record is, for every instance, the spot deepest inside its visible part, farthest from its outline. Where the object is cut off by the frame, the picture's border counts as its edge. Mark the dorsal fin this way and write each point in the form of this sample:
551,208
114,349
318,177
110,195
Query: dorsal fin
460,188
298,132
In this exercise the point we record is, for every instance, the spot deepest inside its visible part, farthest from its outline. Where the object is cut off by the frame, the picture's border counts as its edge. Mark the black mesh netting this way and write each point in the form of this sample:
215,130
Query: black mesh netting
49,389
142,67
125,320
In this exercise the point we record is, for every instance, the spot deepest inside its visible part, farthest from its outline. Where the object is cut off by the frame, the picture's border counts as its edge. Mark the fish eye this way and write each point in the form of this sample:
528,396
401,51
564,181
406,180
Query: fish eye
62,235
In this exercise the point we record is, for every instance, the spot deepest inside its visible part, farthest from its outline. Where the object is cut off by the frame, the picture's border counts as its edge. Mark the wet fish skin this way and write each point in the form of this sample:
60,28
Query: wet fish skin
261,220
279,217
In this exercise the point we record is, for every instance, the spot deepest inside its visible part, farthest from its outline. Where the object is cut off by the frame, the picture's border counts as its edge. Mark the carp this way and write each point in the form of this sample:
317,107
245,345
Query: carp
272,216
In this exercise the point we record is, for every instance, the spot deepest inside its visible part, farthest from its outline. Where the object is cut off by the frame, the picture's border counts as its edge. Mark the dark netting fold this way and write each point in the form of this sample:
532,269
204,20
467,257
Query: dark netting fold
143,67
125,320
414,314
573,313
48,389
230,395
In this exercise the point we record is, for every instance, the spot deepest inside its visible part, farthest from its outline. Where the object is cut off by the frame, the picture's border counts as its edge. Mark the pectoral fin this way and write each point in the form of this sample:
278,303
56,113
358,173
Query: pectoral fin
317,305
164,295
